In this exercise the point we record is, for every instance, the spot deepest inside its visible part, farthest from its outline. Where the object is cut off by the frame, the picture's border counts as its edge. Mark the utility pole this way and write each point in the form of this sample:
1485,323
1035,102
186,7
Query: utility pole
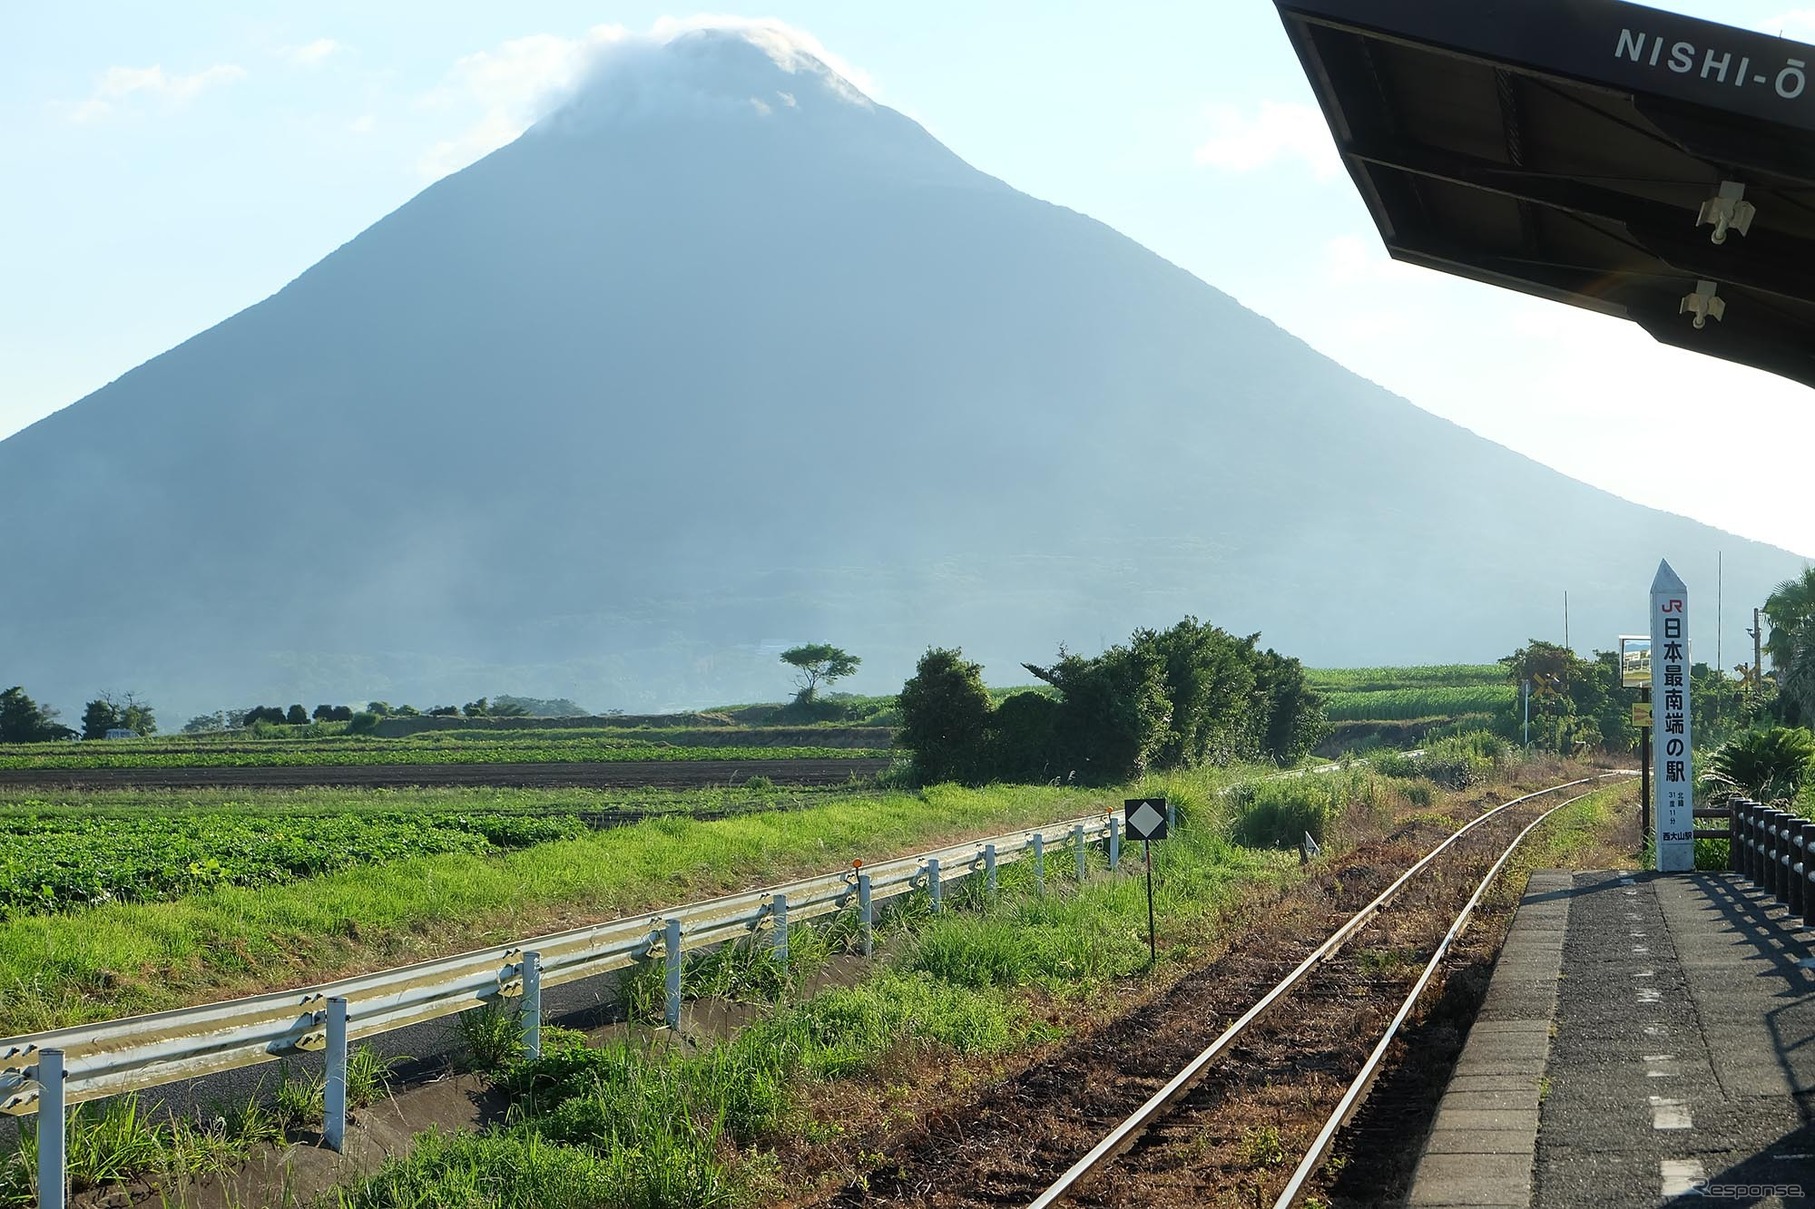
1758,652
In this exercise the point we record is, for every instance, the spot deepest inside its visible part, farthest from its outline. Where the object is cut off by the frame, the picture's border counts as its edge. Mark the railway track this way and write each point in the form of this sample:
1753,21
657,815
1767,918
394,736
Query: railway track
603,774
1166,1107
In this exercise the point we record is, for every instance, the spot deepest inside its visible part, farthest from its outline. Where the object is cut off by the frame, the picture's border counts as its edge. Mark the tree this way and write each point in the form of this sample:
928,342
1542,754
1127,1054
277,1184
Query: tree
945,714
296,716
1113,712
23,720
1791,610
818,663
477,709
108,712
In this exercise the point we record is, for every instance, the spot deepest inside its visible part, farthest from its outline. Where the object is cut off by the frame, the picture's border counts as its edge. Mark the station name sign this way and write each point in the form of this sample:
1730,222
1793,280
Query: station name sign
1628,47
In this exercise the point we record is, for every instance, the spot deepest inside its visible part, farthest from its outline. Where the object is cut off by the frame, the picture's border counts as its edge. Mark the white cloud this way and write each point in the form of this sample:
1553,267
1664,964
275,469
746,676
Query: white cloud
363,124
314,54
785,43
519,81
511,85
1247,140
118,84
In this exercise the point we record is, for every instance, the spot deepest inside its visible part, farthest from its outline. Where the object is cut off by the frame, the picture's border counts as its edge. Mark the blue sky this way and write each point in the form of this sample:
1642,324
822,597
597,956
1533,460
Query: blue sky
168,165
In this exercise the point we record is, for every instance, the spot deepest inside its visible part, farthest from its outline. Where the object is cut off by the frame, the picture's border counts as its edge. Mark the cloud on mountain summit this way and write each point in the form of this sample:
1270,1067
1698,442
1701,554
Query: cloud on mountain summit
523,80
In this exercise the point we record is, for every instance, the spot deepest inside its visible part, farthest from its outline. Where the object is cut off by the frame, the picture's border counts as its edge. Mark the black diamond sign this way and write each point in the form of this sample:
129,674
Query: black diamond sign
1146,818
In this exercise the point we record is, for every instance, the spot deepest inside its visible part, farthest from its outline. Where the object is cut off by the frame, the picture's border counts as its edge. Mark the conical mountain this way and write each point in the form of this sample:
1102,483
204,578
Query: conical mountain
722,356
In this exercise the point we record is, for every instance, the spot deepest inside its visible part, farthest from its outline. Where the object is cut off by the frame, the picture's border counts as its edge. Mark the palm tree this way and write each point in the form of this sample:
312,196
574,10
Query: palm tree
1791,609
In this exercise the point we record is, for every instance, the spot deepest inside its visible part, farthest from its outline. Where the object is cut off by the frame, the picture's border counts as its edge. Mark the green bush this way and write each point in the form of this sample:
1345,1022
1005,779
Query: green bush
1279,814
1770,764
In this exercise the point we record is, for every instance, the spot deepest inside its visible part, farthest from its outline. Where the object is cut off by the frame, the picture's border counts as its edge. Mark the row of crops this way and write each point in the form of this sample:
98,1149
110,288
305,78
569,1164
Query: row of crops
57,860
547,749
1409,703
1392,694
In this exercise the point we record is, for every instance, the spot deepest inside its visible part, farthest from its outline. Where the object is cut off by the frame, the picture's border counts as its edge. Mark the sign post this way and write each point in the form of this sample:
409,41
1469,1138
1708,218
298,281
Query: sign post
1635,672
1673,734
1146,820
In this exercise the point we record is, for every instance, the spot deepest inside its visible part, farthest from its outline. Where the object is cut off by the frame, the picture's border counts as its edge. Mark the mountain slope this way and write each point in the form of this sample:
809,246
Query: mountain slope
722,356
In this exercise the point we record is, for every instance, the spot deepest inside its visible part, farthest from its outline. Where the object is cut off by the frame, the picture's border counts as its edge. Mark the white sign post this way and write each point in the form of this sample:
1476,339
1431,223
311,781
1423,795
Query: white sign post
1671,731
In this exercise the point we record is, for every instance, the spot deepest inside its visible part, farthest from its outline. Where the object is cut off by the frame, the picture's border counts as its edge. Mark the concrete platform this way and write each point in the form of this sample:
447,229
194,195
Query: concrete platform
1647,1040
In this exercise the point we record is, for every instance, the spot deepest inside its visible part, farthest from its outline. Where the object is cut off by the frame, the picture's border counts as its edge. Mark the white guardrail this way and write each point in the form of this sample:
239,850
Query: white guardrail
43,1073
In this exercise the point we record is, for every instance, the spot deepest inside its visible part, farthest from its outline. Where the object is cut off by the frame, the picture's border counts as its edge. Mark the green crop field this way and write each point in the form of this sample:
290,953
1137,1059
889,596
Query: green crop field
1395,694
1408,703
1384,679
443,747
89,848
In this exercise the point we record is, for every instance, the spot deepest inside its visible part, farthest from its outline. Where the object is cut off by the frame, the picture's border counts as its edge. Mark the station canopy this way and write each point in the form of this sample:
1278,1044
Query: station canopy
1631,161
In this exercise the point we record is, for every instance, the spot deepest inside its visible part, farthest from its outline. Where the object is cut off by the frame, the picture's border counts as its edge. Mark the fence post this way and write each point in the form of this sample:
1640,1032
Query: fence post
866,913
1734,863
673,960
1776,818
989,867
1039,863
1795,874
1807,874
334,1093
778,914
532,1006
1078,834
1115,842
53,1173
932,881
1747,838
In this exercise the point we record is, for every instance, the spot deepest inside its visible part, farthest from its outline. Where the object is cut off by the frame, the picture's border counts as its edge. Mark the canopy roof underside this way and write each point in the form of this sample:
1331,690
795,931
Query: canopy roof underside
1566,148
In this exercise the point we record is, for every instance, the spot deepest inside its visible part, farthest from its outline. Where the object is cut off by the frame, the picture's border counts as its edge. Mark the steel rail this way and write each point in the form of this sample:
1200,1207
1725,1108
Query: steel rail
1365,1080
140,1052
1124,1135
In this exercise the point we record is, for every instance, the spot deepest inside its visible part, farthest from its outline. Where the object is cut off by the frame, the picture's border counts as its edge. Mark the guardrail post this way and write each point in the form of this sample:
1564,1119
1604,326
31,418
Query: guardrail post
672,959
1115,842
778,914
932,881
334,1092
1078,834
532,1006
1039,863
866,914
53,1173
989,867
